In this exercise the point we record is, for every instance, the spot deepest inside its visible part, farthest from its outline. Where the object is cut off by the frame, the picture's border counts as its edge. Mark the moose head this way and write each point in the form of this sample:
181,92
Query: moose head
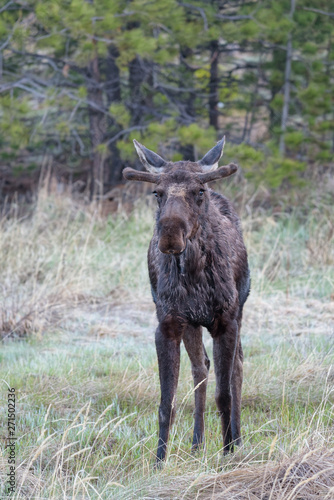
180,191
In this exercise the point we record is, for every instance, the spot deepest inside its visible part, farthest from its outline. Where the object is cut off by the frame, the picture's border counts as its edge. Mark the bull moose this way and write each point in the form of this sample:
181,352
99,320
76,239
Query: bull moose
199,276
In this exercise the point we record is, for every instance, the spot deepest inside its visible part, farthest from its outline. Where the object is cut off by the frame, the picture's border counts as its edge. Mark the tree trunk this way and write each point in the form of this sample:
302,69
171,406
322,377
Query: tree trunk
277,66
285,110
97,124
114,165
214,86
185,101
250,117
136,79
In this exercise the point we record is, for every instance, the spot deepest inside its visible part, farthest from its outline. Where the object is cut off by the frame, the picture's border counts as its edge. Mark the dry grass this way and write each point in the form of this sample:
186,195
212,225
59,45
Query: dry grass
309,475
57,260
77,326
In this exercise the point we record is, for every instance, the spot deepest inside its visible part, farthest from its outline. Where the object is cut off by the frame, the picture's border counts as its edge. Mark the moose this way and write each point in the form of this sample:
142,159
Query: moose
199,276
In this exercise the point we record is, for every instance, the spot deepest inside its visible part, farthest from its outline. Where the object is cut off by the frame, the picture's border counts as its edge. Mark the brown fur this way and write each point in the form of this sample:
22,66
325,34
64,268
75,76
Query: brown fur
199,277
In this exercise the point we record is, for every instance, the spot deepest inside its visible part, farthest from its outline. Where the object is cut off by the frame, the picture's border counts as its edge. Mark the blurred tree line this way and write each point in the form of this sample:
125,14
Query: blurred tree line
79,79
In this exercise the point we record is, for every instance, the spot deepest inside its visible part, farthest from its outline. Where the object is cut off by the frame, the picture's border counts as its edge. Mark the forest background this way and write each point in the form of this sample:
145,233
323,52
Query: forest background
80,79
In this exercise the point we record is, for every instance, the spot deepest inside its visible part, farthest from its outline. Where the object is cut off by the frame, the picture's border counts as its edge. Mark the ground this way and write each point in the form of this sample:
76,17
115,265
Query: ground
77,325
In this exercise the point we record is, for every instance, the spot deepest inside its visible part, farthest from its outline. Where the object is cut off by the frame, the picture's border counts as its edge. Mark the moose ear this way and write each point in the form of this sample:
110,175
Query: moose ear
210,160
151,161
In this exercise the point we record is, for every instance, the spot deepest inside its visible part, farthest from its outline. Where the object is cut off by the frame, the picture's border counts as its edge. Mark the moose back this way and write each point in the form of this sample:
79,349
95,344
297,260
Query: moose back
199,277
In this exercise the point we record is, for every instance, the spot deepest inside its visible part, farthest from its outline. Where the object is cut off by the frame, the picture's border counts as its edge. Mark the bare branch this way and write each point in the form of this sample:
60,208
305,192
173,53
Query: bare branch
43,37
233,18
123,14
175,89
80,142
126,131
318,11
4,45
100,39
6,6
52,61
199,9
28,89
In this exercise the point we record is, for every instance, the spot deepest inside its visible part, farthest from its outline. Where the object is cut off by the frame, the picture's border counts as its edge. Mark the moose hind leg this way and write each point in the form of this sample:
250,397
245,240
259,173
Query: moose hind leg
200,365
224,347
168,351
236,394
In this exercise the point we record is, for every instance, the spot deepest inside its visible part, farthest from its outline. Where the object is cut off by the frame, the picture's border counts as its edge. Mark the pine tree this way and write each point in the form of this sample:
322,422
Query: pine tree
80,80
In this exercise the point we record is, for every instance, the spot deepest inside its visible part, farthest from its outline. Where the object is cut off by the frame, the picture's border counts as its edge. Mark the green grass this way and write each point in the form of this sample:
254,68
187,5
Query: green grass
78,326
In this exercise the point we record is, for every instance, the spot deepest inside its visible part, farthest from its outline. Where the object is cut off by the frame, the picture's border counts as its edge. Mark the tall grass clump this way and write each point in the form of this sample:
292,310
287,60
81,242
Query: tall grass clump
65,254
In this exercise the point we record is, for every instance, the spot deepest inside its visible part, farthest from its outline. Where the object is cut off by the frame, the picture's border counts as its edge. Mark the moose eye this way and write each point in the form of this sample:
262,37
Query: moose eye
201,192
158,195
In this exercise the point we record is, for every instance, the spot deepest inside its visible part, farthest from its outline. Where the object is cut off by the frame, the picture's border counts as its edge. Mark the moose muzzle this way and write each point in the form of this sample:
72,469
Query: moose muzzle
172,235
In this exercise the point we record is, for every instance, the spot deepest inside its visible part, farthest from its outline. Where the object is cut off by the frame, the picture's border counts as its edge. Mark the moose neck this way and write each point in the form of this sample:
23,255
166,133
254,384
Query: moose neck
181,263
190,263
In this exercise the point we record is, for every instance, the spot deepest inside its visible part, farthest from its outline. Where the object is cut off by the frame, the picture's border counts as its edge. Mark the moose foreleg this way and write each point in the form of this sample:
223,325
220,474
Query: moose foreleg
200,365
168,351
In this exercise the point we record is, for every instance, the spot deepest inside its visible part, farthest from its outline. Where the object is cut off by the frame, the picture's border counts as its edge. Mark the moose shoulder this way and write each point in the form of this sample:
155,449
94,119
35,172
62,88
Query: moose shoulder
199,276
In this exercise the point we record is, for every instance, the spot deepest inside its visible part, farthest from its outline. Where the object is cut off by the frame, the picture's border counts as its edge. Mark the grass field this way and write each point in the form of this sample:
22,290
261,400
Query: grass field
77,326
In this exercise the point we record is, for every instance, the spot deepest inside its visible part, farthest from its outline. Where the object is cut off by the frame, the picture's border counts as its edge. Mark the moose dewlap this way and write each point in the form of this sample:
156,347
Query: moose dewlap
199,276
